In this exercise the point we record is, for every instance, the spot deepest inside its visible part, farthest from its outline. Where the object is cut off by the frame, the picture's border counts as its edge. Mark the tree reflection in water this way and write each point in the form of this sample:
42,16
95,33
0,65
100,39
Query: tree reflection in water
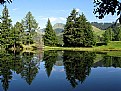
50,58
24,64
109,61
5,69
77,65
30,67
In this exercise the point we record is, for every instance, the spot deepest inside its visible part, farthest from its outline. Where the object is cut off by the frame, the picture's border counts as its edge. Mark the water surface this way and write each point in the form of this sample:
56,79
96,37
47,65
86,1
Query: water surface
59,71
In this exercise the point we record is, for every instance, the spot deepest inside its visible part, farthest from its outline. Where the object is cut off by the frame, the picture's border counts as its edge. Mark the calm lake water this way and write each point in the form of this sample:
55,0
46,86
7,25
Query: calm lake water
59,71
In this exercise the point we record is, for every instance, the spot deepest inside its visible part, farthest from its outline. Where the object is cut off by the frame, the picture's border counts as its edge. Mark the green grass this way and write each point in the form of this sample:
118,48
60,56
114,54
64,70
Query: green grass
114,53
112,46
68,48
97,31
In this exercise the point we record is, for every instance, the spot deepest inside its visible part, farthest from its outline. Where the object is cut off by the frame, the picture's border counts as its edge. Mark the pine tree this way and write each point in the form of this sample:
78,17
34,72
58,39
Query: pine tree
77,31
117,33
18,34
108,35
50,38
69,30
6,28
88,35
30,26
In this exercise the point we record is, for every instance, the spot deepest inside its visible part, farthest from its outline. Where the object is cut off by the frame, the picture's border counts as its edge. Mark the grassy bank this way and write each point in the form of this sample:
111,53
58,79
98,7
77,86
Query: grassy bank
111,46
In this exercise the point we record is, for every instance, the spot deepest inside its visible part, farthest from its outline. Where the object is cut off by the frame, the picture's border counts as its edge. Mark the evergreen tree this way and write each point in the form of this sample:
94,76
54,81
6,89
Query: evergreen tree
30,26
117,33
5,28
50,38
108,35
69,30
84,31
18,34
77,31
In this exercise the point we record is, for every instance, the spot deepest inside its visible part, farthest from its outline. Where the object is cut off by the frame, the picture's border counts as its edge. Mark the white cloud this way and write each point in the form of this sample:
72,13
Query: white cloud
54,19
14,9
77,9
62,18
43,20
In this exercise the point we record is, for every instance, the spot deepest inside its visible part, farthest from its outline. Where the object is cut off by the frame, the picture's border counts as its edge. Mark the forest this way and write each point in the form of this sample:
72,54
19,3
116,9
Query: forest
78,32
22,33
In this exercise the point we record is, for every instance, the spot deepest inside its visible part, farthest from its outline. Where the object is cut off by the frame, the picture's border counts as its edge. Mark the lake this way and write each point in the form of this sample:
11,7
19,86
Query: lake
59,71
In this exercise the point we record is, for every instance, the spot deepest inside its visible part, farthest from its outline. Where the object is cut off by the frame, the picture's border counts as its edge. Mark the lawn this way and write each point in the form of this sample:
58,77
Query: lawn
111,46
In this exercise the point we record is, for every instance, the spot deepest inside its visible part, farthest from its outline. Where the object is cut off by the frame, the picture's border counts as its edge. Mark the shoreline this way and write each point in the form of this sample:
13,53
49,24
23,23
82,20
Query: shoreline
95,49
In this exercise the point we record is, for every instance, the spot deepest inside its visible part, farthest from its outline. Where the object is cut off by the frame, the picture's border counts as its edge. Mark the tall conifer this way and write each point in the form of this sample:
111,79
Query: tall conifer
50,38
6,24
30,26
77,31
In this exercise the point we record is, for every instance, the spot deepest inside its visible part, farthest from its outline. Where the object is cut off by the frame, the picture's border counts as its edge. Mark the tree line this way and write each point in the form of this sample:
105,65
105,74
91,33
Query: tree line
102,26
77,32
22,32
112,34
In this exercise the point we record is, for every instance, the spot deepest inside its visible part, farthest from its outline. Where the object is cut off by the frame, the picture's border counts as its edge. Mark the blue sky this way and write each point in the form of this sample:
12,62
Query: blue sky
56,10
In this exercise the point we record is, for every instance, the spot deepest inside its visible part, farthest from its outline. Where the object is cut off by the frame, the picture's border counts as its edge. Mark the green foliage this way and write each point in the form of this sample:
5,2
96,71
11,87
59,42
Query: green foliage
108,35
20,33
111,61
30,67
50,38
117,33
30,26
17,34
68,36
77,31
60,39
78,66
50,58
6,37
25,64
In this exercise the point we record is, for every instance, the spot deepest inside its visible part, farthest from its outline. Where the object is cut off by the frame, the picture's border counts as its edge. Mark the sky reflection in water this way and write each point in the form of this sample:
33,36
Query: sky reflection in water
59,71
